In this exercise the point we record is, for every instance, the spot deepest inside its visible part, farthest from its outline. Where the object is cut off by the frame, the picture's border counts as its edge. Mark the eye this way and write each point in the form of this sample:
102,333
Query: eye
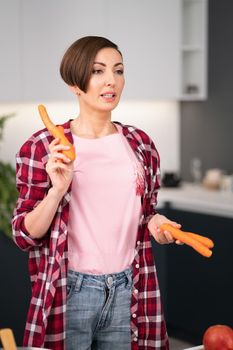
120,71
97,71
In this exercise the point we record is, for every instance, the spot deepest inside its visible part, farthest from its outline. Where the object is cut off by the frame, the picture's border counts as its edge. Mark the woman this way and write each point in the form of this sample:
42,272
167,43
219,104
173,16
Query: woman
87,223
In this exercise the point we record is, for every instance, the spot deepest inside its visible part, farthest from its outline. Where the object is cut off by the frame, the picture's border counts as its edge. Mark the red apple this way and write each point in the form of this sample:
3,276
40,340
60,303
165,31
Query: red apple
218,337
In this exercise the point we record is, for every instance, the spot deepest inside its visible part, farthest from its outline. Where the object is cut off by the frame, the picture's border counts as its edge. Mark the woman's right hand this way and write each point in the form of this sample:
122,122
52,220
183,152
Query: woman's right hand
59,167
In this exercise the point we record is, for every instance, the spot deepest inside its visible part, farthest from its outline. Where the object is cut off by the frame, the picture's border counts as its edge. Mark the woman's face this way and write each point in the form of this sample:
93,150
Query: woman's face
106,82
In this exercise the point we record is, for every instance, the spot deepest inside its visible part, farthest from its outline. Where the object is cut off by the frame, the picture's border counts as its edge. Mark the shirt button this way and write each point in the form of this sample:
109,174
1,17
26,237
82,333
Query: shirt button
137,266
134,315
135,339
136,291
138,242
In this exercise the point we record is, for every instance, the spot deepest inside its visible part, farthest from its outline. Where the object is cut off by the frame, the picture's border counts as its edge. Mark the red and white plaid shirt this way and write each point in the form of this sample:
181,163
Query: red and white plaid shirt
45,326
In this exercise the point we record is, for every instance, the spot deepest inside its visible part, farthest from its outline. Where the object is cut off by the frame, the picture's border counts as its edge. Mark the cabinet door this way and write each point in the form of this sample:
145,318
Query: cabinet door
10,57
199,290
149,35
49,28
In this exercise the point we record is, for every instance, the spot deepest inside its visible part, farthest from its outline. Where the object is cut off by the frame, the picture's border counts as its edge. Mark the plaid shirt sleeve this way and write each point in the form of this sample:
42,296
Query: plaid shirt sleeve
148,328
48,256
155,180
32,183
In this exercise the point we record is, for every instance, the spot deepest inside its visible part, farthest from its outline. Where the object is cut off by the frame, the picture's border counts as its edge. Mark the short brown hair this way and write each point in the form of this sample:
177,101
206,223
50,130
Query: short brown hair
77,62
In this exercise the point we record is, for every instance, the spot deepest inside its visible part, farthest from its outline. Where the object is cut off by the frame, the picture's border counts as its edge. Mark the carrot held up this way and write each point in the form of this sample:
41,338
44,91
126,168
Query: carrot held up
200,243
56,132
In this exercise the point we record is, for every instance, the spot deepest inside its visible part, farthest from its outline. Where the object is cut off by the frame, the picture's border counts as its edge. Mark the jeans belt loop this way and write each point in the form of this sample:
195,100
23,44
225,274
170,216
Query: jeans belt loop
79,282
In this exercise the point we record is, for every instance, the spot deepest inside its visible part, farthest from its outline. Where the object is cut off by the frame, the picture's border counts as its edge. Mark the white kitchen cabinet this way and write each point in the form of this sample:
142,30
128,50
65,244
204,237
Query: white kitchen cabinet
148,33
36,34
10,58
49,27
194,45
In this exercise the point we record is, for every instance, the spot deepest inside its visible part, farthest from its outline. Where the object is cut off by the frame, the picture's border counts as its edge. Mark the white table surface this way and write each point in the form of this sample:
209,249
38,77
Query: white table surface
195,198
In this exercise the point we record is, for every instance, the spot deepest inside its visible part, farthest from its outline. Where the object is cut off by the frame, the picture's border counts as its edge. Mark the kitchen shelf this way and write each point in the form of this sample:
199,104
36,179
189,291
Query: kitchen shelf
194,49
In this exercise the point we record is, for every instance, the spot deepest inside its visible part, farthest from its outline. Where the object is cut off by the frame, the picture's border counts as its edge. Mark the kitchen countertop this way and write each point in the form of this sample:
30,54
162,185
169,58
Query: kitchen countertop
196,198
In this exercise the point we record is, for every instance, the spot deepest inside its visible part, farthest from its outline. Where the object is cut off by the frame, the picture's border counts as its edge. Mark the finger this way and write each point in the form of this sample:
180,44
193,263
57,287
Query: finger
162,237
56,166
58,149
163,240
168,236
175,224
55,156
179,242
156,233
54,142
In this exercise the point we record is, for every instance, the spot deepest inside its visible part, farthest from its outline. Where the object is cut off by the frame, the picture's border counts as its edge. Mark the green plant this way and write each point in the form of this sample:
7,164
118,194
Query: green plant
8,192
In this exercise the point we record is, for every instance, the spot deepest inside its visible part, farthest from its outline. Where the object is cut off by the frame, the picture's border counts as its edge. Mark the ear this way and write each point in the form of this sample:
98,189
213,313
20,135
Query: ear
75,90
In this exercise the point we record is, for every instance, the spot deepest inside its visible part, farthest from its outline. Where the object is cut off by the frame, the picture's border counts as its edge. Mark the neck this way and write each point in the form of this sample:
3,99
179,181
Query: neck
93,125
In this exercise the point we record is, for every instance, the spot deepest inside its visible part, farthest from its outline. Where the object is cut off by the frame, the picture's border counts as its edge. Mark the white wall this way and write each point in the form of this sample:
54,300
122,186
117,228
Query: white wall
150,50
159,119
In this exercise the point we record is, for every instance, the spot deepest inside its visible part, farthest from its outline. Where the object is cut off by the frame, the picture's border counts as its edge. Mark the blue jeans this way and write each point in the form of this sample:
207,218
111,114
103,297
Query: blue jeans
98,311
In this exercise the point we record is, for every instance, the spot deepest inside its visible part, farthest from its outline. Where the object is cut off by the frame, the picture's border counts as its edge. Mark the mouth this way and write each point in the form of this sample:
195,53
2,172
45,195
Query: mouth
108,95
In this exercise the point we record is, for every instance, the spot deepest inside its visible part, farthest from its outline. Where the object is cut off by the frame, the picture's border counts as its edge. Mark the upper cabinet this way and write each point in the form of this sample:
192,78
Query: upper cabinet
194,43
148,32
10,59
163,44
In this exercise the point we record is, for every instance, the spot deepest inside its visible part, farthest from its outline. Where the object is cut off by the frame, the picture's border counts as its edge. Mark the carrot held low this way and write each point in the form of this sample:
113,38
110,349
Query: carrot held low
56,132
200,243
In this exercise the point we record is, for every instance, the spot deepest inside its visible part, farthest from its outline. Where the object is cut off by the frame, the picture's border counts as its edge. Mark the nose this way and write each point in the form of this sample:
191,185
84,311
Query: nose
110,79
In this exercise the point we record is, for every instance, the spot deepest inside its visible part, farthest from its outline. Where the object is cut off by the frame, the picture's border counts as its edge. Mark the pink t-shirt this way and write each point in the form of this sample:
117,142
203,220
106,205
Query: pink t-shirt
104,207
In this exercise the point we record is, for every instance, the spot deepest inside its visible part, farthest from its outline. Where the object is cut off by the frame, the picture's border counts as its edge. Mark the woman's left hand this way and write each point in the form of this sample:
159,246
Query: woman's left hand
162,237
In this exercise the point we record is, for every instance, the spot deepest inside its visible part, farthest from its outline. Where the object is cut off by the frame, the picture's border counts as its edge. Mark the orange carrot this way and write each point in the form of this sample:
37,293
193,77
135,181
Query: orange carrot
57,132
204,240
190,239
7,339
